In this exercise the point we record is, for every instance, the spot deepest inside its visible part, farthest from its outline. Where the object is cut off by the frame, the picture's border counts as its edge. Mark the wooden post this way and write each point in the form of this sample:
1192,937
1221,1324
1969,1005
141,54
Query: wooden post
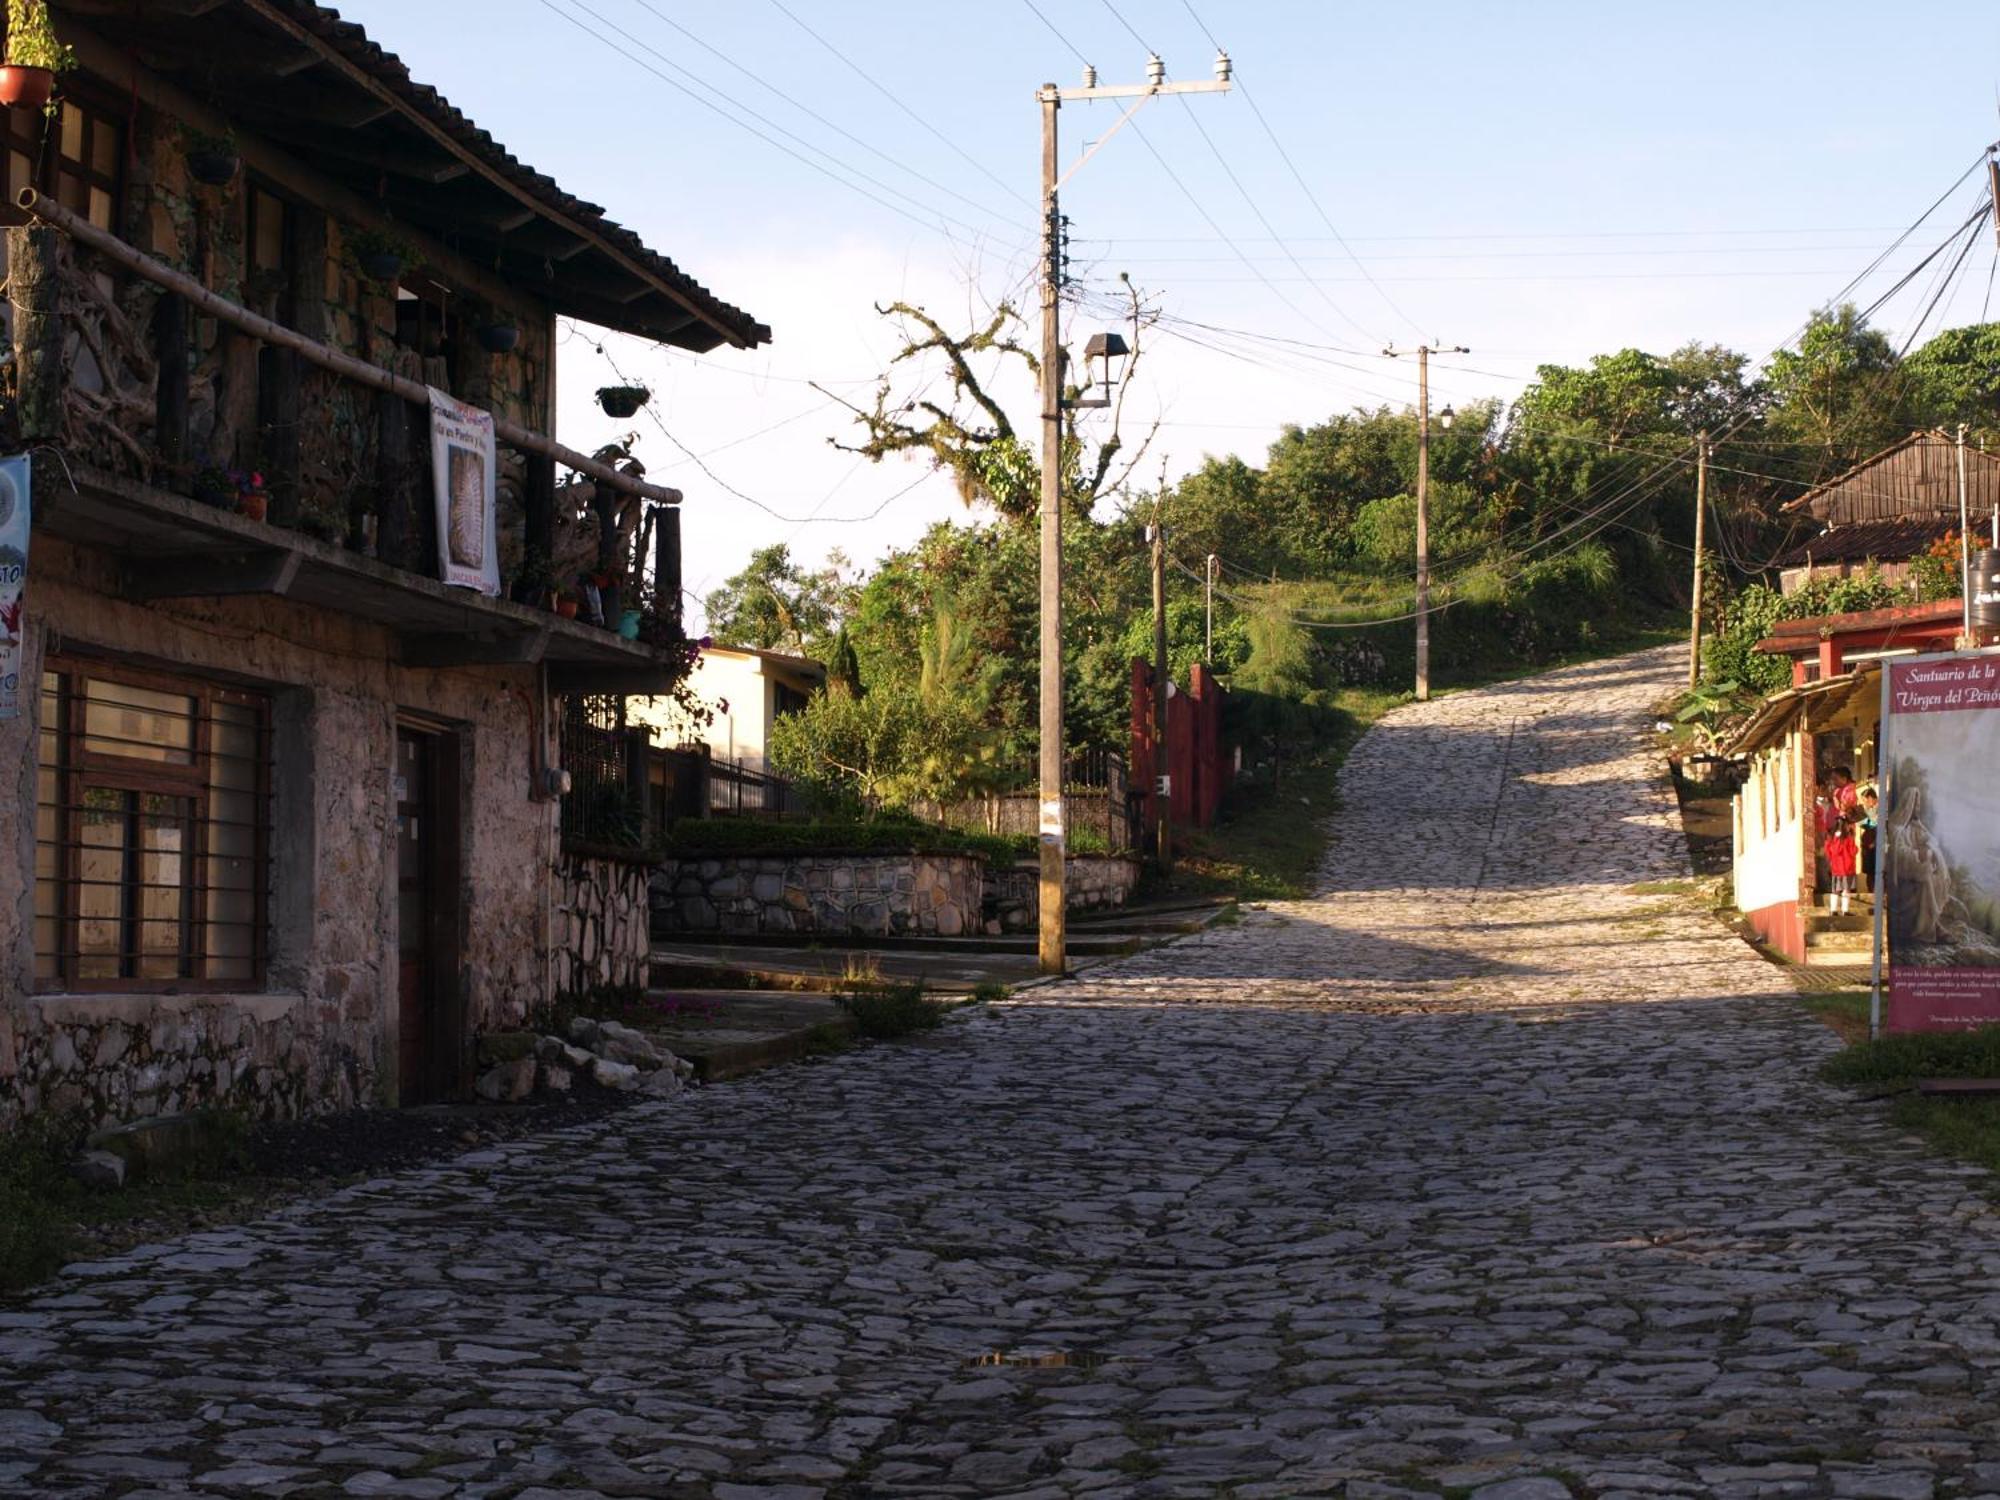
395,533
1053,922
538,504
1163,837
34,285
278,408
1700,513
667,563
170,393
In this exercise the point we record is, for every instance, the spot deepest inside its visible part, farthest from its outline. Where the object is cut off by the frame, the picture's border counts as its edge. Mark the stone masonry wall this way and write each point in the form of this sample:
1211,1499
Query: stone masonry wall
1094,882
323,1032
602,917
883,894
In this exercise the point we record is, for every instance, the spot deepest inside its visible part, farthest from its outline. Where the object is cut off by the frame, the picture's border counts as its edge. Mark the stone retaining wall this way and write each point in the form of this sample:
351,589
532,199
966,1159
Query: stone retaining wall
1093,882
936,895
102,1059
602,911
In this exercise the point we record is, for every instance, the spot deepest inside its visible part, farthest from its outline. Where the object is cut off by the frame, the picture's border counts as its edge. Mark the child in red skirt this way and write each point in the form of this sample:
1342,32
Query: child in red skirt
1843,859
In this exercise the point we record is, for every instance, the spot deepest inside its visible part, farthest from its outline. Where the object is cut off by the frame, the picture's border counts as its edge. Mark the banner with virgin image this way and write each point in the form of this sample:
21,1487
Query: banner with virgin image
464,484
1939,836
15,488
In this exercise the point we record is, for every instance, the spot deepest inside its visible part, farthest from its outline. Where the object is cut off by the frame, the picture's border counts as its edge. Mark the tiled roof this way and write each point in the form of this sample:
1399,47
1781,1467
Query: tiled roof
1881,541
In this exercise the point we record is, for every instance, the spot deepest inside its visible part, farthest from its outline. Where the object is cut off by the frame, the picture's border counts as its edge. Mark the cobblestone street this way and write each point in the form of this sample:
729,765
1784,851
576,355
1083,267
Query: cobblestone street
1486,1172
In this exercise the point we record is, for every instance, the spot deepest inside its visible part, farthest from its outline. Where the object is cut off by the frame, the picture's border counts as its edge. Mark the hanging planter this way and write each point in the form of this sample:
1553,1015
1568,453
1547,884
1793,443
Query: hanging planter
35,54
211,159
26,88
381,256
498,337
622,401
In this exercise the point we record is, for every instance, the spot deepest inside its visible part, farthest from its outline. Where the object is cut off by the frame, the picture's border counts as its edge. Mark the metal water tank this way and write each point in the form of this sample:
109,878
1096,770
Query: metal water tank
1985,586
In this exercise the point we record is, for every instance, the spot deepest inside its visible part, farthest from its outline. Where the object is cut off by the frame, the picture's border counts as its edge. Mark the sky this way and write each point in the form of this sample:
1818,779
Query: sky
1539,182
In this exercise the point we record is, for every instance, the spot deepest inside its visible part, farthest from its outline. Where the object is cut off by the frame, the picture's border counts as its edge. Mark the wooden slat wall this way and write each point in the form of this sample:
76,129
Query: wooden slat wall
1920,479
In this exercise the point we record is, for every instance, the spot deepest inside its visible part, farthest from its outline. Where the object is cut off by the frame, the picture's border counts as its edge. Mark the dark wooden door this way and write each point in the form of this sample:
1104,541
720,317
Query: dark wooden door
429,1031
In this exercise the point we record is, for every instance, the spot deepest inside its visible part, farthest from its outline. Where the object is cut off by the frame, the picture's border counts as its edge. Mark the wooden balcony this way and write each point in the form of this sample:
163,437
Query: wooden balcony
112,368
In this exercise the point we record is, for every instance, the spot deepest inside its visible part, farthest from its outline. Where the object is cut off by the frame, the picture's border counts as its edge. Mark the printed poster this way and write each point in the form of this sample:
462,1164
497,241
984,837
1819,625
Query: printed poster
15,489
1939,833
464,481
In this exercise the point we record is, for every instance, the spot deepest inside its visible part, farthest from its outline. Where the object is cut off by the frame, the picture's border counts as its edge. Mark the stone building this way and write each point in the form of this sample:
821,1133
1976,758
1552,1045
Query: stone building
286,824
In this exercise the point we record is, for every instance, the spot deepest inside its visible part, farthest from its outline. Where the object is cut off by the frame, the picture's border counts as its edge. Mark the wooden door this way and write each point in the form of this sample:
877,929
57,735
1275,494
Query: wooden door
429,1031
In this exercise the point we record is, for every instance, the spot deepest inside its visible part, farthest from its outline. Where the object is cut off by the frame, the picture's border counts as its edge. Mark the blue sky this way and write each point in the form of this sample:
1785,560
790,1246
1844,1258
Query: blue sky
1539,181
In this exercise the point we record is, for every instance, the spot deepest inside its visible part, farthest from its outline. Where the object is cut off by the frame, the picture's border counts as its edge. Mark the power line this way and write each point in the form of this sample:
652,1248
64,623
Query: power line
896,99
940,219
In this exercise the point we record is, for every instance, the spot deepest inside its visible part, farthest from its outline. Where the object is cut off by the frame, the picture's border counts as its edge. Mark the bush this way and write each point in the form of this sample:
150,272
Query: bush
889,834
887,1011
1730,654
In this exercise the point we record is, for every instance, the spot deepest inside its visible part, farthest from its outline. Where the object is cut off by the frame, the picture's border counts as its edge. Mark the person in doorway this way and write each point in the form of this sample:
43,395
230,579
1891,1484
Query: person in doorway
1843,857
1869,806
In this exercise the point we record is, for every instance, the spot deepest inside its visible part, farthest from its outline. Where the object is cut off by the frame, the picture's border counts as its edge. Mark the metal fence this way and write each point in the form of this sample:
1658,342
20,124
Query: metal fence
736,791
1097,803
605,807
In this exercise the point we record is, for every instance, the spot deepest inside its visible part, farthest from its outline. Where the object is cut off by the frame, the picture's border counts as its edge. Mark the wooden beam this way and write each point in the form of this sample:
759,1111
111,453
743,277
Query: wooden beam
508,223
475,650
367,81
357,370
212,576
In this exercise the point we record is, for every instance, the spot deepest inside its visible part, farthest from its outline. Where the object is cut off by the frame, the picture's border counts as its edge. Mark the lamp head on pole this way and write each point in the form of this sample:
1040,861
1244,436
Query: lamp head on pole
1104,366
1446,417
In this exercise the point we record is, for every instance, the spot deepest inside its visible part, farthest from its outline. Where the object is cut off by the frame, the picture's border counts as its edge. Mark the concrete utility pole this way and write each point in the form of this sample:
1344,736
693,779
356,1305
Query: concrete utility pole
1054,926
1424,353
1700,515
1163,834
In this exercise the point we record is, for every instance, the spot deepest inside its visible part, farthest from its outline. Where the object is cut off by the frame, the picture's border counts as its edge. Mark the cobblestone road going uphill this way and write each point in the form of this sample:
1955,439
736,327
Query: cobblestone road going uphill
1480,1173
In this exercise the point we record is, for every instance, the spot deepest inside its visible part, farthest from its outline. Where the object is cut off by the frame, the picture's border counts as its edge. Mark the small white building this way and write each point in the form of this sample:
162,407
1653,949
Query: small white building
747,690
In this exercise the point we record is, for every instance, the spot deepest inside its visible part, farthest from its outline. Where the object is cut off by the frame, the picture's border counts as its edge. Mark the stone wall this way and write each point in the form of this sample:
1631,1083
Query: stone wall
936,895
323,1034
602,911
1093,882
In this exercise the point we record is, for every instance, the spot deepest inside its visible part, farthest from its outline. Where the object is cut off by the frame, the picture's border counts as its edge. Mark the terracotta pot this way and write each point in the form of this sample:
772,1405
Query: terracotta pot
254,504
212,167
566,608
26,88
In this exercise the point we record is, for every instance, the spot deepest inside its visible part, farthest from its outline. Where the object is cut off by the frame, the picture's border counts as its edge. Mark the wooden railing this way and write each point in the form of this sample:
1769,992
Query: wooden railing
111,367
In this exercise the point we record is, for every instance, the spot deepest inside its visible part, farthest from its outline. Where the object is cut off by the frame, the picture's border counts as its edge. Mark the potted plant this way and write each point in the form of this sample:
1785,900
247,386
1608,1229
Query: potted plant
496,331
211,159
212,484
35,54
252,499
380,254
566,605
622,401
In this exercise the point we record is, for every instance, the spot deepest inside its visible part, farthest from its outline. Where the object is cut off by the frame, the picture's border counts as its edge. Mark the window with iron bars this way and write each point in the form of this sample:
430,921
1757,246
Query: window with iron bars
606,810
152,831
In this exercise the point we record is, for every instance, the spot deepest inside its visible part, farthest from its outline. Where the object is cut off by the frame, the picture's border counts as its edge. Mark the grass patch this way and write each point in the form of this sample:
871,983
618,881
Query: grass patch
990,991
1664,888
1921,1054
887,1011
1965,1127
1846,1011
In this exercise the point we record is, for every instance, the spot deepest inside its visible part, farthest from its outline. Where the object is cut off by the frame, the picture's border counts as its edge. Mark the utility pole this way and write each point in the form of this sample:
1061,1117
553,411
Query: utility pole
1208,609
1700,514
1964,542
1163,834
1424,353
1054,923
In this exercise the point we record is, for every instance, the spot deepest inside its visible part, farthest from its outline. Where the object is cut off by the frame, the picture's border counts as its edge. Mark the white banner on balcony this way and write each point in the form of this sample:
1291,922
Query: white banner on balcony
463,480
14,492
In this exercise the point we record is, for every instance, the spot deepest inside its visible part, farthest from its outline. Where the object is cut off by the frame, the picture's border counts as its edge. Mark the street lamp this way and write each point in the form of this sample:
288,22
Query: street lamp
1104,366
1445,417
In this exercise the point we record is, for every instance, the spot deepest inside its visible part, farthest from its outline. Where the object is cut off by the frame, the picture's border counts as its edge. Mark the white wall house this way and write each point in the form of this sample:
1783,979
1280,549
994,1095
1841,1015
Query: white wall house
747,691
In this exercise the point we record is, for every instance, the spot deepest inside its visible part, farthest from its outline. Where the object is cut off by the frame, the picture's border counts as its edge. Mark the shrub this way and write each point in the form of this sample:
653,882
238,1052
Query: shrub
889,834
1922,1054
884,1012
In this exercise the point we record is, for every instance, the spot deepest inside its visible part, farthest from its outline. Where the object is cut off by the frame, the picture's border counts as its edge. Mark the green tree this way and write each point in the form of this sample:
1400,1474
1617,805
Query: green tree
774,604
1837,398
1955,377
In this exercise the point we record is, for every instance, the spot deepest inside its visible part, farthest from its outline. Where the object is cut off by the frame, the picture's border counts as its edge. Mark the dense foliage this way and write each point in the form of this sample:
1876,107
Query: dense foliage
1556,522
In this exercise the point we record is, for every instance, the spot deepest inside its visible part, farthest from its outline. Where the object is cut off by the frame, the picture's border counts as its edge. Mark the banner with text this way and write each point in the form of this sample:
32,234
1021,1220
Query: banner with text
1940,842
15,489
464,482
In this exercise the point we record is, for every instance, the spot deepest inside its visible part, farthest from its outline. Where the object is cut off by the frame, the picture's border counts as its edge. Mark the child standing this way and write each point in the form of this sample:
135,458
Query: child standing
1843,857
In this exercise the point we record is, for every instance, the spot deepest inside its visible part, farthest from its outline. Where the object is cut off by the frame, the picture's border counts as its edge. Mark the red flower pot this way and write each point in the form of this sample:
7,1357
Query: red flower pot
26,88
253,504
